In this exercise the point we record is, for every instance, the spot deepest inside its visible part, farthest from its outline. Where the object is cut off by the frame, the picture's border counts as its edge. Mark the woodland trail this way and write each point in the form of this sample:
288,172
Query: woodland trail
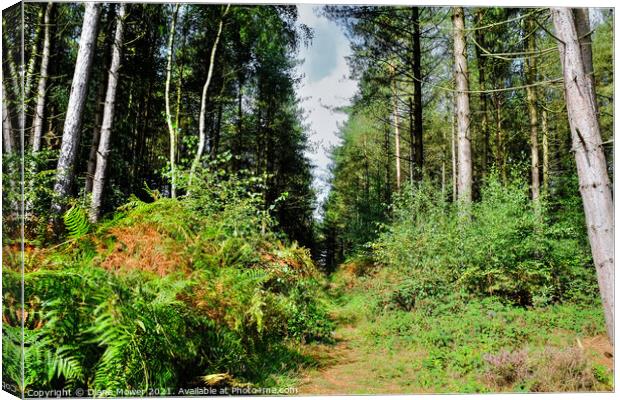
349,367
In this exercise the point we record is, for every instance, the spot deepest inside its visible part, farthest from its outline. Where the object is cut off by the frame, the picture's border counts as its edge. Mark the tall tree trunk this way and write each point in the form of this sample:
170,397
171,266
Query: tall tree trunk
16,81
75,108
177,114
94,144
238,142
171,128
417,93
531,105
108,117
202,128
594,182
545,151
484,118
396,129
37,124
33,56
453,152
582,25
386,149
462,108
7,130
500,153
412,167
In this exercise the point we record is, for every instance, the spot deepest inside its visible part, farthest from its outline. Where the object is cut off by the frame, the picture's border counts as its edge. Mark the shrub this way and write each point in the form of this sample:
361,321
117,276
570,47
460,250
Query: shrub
506,367
508,248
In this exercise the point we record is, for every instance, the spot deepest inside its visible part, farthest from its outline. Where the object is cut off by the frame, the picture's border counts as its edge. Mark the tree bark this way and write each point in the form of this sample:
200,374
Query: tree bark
37,124
396,130
417,94
91,165
202,129
171,128
532,110
75,108
108,117
545,152
7,130
462,108
33,56
594,181
453,153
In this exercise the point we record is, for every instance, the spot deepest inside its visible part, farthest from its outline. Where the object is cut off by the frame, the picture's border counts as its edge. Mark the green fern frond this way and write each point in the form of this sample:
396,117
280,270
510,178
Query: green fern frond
76,222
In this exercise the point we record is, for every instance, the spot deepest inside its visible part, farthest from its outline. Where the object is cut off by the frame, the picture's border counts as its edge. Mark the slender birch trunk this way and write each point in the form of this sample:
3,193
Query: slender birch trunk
75,108
37,124
545,151
533,112
33,56
594,181
108,117
16,82
462,108
7,130
171,128
202,129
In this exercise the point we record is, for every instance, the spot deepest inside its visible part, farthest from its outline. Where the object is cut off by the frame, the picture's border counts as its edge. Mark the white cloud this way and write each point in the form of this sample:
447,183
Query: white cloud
320,97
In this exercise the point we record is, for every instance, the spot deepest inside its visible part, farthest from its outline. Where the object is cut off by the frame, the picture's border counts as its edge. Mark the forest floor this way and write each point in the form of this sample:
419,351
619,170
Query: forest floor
560,348
349,367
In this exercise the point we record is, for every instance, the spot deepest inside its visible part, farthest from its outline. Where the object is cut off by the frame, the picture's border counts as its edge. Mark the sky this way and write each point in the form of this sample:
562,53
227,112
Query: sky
325,85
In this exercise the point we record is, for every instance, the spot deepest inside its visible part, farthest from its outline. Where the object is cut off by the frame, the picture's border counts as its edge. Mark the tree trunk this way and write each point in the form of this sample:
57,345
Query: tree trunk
202,129
396,130
453,152
594,182
37,124
533,112
33,55
171,128
7,130
94,145
108,117
417,94
484,118
462,108
500,154
545,152
411,142
582,25
75,108
16,81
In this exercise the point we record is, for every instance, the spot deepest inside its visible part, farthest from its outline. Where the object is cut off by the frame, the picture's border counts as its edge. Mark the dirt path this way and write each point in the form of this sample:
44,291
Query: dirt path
348,368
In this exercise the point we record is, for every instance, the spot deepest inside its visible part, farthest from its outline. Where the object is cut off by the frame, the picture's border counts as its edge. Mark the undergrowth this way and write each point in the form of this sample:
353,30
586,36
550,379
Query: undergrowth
502,299
163,294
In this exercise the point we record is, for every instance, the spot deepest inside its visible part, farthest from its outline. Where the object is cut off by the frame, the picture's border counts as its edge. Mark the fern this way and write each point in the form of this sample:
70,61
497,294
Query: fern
76,222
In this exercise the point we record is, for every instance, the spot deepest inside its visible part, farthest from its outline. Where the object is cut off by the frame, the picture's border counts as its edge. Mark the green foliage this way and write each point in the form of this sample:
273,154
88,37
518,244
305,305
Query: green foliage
509,248
168,291
76,222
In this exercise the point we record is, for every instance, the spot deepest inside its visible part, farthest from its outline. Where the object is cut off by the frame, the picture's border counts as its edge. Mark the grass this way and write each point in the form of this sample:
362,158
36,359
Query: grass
457,344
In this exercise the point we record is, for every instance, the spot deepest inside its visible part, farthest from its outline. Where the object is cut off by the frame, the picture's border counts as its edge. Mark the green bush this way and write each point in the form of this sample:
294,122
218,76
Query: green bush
507,247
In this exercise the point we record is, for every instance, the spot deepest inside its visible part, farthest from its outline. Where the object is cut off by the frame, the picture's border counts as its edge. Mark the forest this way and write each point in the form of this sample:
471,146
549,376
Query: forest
163,232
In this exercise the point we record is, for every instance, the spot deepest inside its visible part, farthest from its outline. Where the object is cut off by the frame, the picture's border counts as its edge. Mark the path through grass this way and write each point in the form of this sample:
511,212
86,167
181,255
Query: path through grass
455,346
